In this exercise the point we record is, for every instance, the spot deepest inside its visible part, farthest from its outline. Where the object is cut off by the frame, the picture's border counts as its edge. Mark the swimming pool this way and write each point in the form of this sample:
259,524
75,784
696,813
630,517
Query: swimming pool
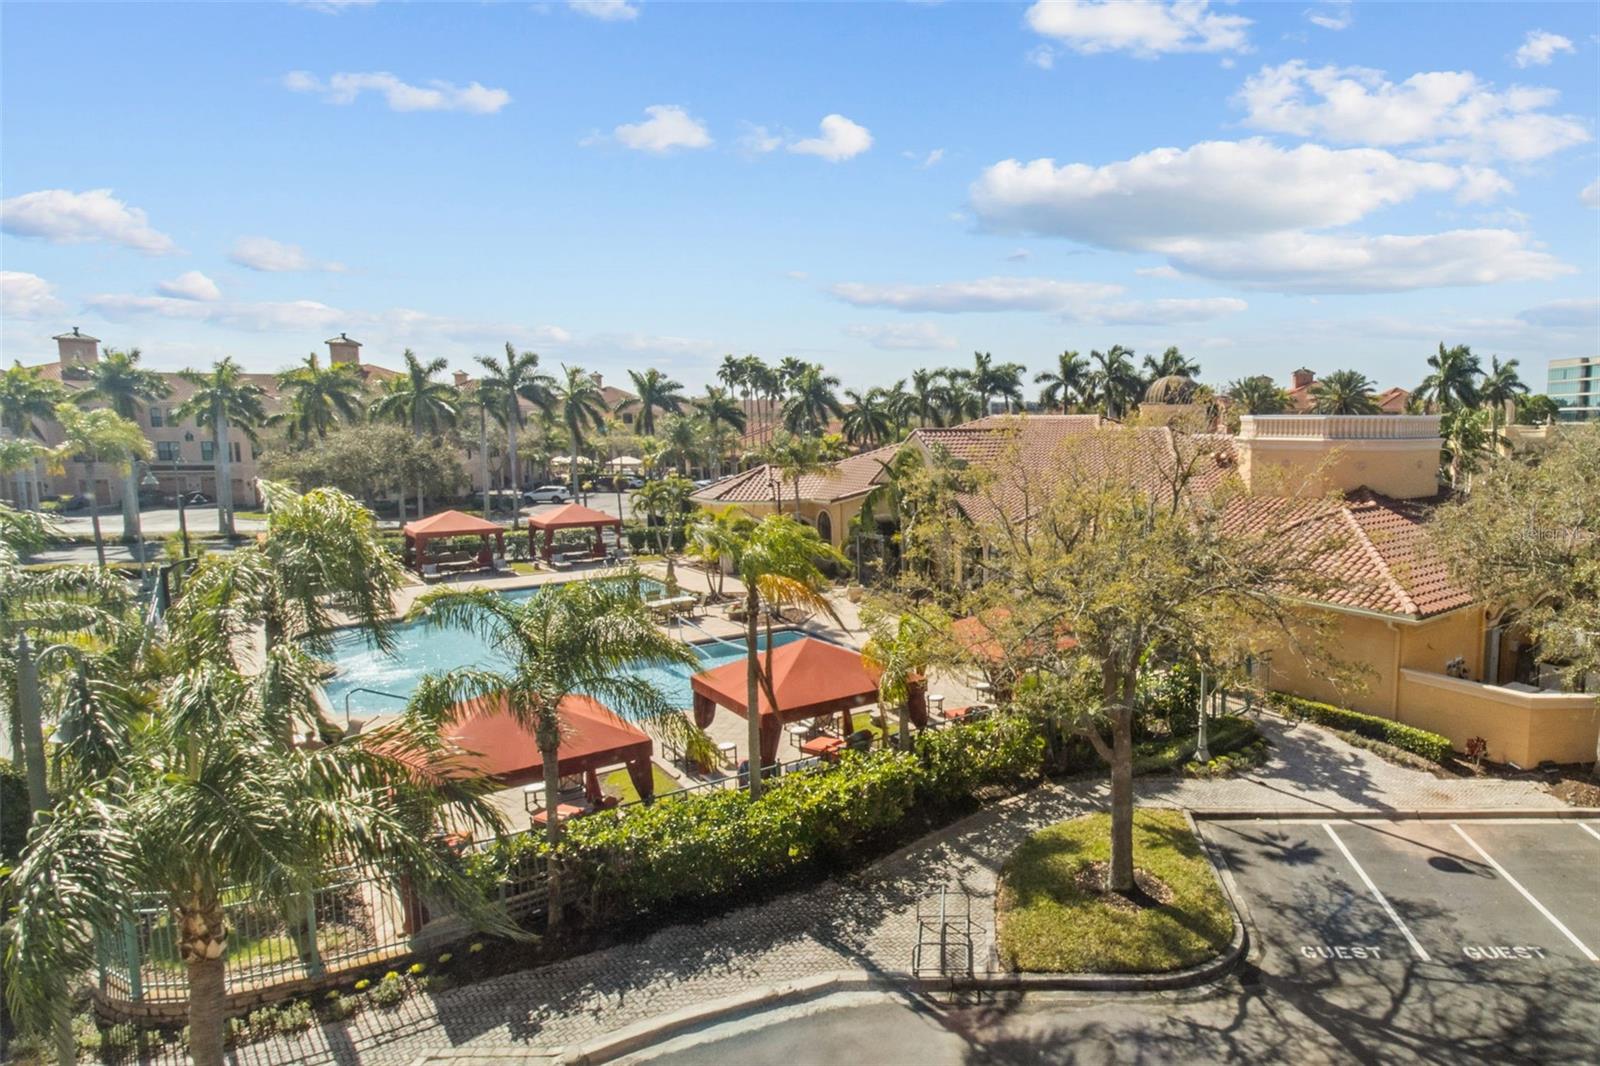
420,649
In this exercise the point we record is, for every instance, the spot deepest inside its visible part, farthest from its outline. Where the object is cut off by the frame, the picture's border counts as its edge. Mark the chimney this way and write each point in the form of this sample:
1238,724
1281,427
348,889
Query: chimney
342,349
462,377
594,376
77,349
1303,377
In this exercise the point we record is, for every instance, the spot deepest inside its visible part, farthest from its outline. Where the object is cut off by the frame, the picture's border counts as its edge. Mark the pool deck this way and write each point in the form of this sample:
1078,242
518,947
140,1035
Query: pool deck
726,727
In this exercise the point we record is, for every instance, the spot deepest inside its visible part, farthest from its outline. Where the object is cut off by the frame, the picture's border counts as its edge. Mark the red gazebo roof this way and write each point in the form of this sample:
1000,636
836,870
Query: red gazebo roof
810,677
573,516
451,524
974,634
592,736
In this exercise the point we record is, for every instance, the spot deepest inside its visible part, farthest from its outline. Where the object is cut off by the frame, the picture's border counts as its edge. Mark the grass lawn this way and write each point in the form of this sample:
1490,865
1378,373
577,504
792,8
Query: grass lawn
1053,919
618,783
523,568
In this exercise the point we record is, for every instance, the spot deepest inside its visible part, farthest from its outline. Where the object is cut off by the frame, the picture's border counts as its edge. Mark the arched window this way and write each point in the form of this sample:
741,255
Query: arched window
825,526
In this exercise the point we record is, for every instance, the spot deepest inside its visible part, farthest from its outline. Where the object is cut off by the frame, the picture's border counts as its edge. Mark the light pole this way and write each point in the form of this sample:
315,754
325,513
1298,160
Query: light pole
149,481
1202,752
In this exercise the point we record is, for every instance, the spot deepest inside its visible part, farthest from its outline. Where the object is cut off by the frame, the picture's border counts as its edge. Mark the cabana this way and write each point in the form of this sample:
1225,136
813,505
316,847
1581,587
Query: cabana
447,524
571,516
811,679
979,636
592,737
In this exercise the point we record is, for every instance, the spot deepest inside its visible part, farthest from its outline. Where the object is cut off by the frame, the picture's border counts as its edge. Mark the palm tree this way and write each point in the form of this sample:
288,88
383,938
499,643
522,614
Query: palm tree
581,407
1116,381
713,537
925,390
868,420
319,396
27,398
118,381
183,784
682,441
1501,385
1064,385
1258,395
987,379
731,372
720,410
581,638
515,379
656,392
1172,363
1344,392
777,560
811,402
773,384
224,400
99,436
416,400
902,648
794,457
1466,437
1453,380
900,405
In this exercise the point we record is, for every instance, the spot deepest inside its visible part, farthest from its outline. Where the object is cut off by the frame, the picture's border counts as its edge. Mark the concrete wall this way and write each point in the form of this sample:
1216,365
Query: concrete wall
1525,728
1310,455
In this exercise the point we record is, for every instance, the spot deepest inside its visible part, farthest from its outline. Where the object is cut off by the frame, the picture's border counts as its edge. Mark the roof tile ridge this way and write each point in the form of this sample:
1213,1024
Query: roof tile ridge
1382,564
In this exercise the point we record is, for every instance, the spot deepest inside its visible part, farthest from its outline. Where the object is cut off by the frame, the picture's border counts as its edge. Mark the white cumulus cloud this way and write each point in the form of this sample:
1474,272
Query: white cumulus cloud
1540,47
903,336
1333,15
605,10
1213,189
27,296
1590,196
1352,263
436,95
1166,312
841,139
982,294
1144,28
275,257
1439,113
667,126
1564,314
62,216
190,285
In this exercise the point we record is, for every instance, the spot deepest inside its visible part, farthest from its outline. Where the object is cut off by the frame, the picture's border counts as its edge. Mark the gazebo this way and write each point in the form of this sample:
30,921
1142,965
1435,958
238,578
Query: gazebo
976,634
452,524
811,678
571,516
592,737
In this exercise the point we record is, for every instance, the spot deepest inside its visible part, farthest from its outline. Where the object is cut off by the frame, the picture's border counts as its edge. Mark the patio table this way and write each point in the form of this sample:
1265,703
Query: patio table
564,811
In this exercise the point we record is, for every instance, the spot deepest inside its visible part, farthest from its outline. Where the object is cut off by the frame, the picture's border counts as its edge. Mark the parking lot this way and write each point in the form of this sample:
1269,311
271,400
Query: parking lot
1448,940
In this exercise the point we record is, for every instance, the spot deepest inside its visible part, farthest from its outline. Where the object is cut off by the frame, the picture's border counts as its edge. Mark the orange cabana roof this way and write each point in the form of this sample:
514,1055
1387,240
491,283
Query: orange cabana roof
573,516
592,736
451,524
810,677
975,635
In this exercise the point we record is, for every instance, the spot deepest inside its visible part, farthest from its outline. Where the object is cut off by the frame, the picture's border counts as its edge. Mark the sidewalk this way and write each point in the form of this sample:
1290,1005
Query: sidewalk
865,922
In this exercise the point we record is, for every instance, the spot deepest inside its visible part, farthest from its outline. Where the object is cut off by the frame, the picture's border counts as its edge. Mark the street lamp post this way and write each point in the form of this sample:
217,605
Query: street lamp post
149,481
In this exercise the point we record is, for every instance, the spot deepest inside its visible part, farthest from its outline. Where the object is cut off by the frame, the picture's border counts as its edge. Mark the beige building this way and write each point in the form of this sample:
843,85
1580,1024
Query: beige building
827,502
183,456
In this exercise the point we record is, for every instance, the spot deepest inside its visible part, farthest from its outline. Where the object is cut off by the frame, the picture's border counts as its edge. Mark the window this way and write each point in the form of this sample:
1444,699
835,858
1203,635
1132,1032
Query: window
235,452
155,417
208,451
167,451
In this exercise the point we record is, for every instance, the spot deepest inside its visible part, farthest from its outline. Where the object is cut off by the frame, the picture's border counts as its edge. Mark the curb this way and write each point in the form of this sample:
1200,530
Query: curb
1236,814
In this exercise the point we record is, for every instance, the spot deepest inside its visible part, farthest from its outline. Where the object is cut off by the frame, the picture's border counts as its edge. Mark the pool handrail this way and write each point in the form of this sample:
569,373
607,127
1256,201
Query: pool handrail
373,691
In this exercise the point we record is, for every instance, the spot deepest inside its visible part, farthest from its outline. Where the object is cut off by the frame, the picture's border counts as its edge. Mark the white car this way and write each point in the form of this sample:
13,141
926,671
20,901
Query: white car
549,494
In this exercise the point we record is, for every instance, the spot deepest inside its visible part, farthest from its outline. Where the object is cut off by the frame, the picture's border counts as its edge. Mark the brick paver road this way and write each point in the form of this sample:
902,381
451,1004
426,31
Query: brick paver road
866,921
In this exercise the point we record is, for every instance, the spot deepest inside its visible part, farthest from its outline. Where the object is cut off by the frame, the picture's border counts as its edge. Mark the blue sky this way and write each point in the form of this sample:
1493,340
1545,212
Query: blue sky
876,187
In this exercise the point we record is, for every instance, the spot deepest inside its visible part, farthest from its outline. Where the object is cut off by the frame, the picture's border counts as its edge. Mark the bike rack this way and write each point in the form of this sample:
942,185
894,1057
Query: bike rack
947,935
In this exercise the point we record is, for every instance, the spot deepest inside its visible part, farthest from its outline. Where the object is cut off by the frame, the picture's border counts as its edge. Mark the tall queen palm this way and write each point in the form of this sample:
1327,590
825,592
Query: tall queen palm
1065,384
1452,381
27,399
581,407
99,436
777,560
579,638
224,400
319,396
515,379
416,400
118,381
656,392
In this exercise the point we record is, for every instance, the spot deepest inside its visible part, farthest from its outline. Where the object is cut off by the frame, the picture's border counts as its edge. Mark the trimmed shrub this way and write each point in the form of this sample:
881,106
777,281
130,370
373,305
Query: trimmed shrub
1405,737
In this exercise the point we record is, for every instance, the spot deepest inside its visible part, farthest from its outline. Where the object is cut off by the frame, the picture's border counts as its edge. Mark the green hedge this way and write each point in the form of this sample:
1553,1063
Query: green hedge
701,847
1405,737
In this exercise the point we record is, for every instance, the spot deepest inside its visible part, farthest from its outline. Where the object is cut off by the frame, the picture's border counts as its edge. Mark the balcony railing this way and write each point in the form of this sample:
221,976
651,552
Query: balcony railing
1339,427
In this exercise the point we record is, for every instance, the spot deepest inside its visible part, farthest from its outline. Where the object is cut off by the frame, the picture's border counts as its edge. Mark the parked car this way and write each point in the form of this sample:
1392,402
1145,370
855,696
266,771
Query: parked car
197,499
548,494
702,483
632,483
72,504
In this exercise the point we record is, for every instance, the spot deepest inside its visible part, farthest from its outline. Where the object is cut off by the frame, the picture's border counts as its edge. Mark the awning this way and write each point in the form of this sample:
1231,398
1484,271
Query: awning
811,678
592,736
448,524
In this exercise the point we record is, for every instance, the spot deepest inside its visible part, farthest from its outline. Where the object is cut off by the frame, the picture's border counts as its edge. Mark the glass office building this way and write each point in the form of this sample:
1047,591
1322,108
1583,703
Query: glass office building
1575,387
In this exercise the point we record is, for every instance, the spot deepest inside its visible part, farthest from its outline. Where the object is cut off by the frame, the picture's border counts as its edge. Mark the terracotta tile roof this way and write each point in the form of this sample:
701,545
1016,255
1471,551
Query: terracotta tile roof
1379,548
849,477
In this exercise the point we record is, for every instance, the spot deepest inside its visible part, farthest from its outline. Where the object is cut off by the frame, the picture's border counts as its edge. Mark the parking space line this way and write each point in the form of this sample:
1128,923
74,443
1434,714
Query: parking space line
1587,828
1384,903
1514,883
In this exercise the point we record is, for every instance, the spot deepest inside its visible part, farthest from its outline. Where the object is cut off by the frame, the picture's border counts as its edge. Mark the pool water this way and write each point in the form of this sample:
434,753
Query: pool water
422,649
